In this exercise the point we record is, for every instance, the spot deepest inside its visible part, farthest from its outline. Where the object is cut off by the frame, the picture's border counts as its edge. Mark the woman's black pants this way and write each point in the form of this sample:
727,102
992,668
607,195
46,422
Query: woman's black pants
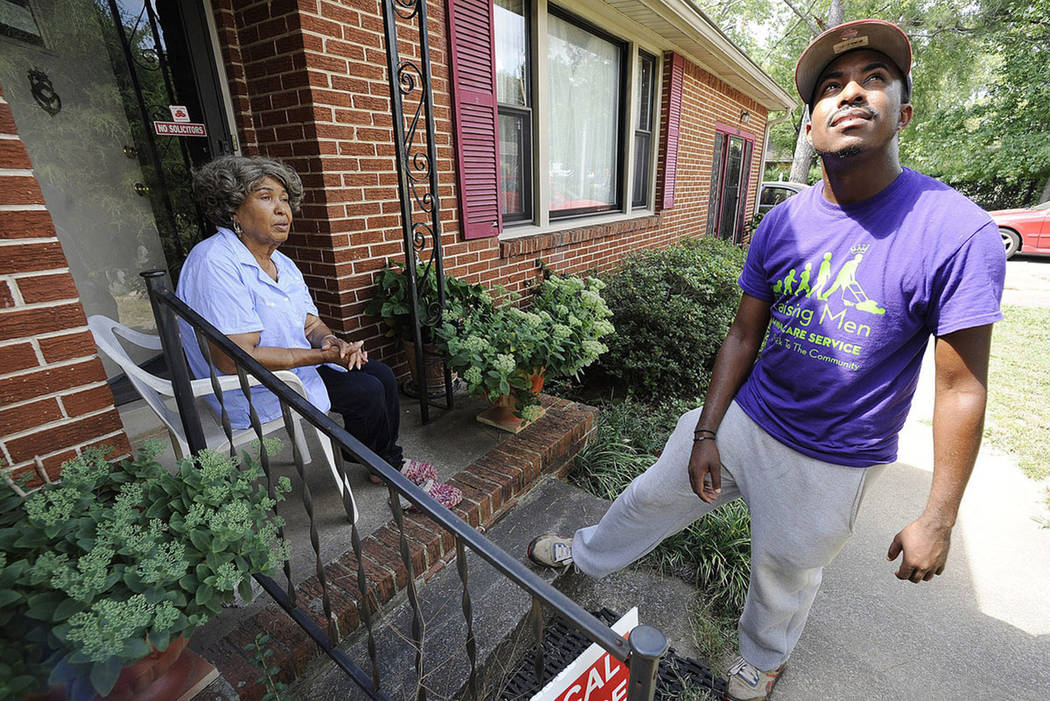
368,401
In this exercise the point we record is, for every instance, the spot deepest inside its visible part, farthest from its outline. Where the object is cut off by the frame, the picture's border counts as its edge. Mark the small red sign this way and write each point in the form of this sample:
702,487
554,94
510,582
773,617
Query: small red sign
179,129
179,113
605,680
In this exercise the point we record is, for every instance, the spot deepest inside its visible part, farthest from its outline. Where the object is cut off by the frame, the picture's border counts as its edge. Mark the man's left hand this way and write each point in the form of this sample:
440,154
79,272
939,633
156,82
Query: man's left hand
925,546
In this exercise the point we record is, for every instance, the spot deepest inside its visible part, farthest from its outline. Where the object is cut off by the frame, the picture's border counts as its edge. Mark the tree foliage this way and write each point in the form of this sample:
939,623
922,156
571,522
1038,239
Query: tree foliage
981,74
993,140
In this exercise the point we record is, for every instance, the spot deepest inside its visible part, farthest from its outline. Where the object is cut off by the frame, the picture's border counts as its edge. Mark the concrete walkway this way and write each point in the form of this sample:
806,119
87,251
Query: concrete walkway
1027,281
979,631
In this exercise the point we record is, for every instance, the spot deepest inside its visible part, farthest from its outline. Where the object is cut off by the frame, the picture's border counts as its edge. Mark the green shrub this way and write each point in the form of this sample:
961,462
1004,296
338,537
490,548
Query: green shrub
498,349
118,559
716,550
671,309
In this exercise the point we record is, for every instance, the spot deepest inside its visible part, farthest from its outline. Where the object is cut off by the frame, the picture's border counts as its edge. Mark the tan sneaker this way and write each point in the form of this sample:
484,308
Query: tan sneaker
551,550
748,683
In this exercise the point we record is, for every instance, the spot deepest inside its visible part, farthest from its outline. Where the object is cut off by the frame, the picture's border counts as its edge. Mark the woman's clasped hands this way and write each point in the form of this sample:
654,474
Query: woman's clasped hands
350,355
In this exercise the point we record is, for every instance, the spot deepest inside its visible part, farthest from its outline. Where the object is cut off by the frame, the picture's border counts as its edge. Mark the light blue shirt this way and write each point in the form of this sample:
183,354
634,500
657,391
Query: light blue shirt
223,282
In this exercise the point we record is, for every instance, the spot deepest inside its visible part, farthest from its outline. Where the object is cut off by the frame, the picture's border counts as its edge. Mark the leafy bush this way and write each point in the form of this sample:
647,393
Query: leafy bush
997,193
498,349
119,559
671,309
391,300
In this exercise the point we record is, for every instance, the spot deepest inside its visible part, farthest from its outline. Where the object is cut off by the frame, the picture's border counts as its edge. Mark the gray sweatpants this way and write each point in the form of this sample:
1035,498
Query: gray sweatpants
802,513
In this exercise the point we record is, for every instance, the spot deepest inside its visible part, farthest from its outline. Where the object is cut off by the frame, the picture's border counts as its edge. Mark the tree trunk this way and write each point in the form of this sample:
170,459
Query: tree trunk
804,153
1046,192
836,13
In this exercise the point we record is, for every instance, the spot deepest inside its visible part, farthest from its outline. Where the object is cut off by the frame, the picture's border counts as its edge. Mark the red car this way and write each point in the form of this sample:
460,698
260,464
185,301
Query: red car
1025,230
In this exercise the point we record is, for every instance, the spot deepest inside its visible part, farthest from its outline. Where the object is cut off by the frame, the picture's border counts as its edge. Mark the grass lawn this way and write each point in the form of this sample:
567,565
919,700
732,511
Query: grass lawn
1018,414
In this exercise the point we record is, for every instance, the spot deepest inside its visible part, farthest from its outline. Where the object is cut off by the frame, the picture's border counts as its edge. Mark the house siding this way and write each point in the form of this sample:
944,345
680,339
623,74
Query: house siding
308,85
335,128
53,392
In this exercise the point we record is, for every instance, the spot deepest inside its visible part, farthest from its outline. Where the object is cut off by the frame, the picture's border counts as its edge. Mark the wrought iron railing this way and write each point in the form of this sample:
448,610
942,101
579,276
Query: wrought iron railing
642,653
417,177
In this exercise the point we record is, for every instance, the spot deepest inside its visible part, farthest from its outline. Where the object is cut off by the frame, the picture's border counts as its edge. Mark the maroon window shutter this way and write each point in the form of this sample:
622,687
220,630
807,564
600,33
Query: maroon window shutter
714,200
745,187
671,131
473,61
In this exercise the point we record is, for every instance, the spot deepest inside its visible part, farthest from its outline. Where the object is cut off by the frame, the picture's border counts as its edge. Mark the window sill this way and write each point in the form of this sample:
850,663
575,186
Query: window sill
527,239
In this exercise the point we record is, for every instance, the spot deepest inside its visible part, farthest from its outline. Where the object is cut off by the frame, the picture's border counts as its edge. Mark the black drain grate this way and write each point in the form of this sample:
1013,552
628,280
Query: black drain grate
562,644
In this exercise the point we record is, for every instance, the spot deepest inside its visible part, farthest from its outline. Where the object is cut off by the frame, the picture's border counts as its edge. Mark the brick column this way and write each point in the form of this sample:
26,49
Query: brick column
54,400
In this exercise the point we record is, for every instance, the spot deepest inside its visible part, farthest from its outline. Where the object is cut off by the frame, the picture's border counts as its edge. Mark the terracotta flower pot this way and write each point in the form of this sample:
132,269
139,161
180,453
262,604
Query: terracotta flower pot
160,676
501,414
150,674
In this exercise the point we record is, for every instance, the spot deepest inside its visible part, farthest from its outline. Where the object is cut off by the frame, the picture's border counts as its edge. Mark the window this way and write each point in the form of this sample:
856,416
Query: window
585,75
581,128
772,195
645,90
17,21
514,100
730,173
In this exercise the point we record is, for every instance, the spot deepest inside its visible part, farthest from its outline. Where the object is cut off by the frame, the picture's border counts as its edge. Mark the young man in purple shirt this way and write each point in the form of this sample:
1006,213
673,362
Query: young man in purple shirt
850,278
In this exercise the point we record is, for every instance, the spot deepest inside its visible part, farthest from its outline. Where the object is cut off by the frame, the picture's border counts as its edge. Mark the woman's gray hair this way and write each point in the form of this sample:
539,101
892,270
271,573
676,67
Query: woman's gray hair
221,185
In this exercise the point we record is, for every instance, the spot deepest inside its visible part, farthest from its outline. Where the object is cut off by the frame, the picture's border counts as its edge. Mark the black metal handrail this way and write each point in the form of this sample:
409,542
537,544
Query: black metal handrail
642,652
417,178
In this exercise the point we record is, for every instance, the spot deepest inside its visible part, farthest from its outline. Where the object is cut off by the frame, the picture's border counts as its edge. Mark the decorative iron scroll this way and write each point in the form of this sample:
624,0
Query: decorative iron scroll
412,107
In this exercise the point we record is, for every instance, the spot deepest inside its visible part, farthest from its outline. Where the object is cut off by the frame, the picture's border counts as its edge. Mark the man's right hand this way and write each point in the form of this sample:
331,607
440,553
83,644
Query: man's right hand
705,470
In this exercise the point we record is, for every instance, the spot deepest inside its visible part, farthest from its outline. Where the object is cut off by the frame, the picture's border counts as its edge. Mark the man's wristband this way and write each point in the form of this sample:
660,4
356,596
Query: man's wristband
703,434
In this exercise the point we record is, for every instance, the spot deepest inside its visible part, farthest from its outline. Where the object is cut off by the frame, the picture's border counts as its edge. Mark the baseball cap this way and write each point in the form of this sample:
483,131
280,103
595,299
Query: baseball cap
873,34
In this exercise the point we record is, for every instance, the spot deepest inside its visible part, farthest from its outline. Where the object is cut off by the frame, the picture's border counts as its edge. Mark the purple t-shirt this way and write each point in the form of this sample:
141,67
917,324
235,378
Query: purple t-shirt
855,293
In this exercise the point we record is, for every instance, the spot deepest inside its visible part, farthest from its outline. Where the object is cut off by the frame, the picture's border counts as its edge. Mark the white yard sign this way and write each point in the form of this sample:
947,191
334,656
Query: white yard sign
595,675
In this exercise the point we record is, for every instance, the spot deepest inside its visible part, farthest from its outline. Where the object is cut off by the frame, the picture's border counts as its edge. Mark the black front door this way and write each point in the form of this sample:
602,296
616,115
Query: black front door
165,66
116,102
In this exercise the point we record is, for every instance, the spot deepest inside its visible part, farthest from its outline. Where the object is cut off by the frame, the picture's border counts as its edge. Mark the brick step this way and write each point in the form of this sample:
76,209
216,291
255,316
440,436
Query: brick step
491,485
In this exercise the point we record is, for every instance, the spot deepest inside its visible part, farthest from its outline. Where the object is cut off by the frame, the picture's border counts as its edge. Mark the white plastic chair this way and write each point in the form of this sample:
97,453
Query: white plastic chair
158,392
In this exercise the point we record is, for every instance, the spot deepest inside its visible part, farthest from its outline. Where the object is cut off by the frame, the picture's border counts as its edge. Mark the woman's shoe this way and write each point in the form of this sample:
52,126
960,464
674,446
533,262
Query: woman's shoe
418,471
444,494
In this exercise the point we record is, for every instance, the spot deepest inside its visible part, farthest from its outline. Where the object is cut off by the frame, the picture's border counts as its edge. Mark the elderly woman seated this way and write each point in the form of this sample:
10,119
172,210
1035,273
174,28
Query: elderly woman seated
241,283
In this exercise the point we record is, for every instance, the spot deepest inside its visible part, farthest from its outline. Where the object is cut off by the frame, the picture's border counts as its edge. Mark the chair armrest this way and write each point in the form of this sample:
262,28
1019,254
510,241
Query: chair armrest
203,388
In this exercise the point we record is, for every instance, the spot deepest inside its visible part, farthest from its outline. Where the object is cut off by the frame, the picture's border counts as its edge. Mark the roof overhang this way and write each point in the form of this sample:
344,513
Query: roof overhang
697,38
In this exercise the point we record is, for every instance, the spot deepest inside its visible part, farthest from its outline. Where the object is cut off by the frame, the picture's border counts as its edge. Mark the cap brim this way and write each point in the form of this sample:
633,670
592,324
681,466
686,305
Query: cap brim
872,34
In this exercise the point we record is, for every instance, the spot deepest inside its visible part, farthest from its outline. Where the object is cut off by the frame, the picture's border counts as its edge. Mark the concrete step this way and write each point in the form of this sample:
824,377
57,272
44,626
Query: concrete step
500,610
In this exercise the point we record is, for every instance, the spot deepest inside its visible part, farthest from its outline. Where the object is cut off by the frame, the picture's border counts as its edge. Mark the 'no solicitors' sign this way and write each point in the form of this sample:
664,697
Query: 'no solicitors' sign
179,129
595,675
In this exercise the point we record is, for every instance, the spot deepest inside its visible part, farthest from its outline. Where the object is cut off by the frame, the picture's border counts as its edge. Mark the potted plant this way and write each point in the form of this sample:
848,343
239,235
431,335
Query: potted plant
391,303
120,563
504,352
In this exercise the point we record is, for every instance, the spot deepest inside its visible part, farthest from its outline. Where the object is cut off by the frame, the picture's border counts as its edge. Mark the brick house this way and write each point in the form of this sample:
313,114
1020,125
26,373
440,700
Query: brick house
568,133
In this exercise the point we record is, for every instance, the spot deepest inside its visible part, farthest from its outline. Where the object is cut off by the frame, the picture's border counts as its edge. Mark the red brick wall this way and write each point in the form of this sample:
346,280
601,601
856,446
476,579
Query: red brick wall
54,400
313,75
308,81
705,101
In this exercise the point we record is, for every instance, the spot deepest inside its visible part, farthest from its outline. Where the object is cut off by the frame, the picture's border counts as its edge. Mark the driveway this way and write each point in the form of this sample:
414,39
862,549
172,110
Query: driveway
1027,281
